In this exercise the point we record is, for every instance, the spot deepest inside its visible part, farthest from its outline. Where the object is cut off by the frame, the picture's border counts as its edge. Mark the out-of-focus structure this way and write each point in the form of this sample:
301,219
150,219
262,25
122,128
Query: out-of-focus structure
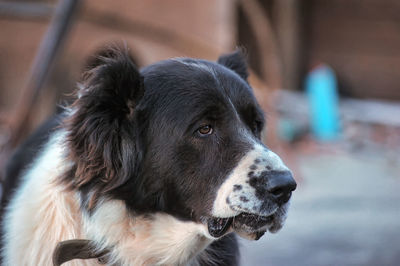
284,39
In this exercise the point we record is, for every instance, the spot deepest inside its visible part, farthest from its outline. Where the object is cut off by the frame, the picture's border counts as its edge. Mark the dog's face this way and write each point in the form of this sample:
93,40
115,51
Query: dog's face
182,137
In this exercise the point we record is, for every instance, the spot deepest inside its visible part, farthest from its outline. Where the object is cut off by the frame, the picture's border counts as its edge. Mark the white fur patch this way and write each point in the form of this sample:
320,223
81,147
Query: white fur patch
159,239
41,213
198,65
239,177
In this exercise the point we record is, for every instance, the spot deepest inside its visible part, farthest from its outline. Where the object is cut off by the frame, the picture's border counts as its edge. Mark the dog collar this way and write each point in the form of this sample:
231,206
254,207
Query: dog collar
77,249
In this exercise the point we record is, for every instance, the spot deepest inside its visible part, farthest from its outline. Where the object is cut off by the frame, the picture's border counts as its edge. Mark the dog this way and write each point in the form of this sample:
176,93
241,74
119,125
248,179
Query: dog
162,166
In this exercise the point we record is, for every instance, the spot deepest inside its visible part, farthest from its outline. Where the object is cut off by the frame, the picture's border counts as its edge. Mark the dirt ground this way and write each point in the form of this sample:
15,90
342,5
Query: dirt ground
345,211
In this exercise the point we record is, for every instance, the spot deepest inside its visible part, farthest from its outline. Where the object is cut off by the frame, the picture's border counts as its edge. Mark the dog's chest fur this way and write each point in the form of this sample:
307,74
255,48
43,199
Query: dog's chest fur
53,214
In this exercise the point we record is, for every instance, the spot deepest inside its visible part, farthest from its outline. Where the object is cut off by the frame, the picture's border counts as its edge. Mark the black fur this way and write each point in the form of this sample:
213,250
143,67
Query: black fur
235,61
224,252
102,131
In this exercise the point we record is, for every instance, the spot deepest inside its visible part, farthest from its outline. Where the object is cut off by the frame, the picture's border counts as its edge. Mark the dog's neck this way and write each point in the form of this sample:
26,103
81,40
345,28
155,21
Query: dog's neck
159,239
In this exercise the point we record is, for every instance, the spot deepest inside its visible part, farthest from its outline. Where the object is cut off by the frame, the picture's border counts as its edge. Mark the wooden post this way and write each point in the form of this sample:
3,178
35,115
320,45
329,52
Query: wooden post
287,27
48,51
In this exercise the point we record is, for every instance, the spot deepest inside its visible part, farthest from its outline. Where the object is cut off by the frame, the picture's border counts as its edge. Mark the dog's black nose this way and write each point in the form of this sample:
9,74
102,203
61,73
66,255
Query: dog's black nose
280,184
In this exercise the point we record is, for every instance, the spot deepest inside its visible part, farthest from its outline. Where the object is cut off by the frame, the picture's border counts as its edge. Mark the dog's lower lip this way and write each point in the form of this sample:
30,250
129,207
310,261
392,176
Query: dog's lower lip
218,226
251,221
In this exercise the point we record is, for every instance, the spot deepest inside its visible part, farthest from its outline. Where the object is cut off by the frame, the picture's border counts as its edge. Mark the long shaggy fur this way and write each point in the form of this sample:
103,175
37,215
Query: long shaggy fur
101,121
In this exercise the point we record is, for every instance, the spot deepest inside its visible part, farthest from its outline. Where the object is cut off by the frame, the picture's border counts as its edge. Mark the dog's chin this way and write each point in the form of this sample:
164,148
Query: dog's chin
246,225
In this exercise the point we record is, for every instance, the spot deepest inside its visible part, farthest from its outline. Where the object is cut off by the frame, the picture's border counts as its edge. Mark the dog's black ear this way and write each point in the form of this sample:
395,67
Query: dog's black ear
101,130
235,61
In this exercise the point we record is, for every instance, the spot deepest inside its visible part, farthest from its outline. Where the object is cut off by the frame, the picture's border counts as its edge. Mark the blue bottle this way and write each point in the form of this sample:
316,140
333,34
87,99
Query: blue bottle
322,93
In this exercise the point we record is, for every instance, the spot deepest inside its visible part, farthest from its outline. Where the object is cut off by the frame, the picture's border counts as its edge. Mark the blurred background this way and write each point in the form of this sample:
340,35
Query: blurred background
326,72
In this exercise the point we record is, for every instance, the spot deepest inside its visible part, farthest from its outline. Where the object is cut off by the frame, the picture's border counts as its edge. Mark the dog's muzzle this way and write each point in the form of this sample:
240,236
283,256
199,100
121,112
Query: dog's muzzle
255,196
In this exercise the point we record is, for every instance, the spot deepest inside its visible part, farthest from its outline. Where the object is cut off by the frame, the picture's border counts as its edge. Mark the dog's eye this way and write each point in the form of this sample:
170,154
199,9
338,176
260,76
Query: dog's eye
205,130
257,126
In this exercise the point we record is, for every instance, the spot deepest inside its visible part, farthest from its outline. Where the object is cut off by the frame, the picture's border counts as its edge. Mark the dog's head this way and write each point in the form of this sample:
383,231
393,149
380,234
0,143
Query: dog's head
183,137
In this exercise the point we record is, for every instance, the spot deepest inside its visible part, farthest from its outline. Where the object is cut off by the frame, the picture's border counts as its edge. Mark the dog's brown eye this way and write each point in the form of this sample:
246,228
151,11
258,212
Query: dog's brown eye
205,130
257,126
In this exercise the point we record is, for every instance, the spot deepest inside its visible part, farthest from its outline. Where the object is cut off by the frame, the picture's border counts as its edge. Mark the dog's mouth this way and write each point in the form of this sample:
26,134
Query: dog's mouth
245,224
217,227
